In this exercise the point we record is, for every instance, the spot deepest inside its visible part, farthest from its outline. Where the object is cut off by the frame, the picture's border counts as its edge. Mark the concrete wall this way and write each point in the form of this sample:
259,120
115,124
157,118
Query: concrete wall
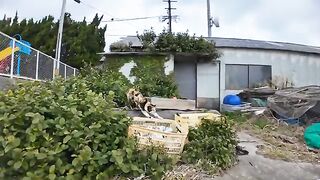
299,68
208,85
126,68
7,83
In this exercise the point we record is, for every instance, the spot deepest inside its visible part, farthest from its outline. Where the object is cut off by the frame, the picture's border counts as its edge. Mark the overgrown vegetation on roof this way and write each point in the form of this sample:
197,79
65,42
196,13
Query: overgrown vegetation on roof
170,43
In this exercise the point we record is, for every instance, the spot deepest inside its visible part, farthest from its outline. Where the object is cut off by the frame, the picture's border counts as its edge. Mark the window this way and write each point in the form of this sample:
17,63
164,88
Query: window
247,76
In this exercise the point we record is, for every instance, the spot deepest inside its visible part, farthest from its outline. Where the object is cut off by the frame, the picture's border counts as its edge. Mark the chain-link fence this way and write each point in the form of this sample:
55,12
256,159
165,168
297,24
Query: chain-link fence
19,60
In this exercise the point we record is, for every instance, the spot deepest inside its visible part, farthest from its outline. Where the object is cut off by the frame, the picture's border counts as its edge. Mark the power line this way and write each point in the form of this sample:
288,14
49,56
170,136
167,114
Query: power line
93,7
131,19
120,35
97,9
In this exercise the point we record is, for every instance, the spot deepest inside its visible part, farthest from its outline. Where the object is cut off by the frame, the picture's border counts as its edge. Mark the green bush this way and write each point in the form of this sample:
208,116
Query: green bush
212,144
106,80
177,43
151,79
63,130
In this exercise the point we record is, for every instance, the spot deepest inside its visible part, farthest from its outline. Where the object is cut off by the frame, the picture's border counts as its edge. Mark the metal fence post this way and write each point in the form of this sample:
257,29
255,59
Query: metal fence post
12,58
37,66
65,71
74,71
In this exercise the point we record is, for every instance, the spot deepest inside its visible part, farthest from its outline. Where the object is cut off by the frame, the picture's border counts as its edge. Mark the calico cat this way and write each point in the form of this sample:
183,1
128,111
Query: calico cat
136,100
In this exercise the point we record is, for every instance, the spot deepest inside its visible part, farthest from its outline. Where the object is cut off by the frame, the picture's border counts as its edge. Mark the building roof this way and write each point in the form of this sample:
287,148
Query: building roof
258,44
243,43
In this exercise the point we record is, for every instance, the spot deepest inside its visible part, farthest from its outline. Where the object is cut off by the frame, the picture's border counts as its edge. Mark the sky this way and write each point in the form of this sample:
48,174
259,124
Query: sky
294,21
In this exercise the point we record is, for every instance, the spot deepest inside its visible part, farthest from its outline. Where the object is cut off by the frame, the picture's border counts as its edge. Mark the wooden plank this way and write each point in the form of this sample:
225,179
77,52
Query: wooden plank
177,104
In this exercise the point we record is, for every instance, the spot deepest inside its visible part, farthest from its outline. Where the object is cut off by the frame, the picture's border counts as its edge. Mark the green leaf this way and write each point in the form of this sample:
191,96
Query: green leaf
154,156
35,120
32,137
124,168
59,163
77,134
52,176
41,156
66,139
90,168
134,167
62,121
52,169
16,142
85,153
75,162
30,114
17,165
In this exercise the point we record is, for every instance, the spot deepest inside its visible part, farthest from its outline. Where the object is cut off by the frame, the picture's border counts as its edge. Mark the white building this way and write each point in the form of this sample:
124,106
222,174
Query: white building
244,64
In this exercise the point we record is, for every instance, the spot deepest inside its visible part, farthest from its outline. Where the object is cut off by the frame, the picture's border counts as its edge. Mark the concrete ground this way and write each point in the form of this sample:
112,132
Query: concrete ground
257,167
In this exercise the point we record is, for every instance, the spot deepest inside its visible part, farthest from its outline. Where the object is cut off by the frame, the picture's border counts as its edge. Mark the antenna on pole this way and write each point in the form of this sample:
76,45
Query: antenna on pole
169,17
210,20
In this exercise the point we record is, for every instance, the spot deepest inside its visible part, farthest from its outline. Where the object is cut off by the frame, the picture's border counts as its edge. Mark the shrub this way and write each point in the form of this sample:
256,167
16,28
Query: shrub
64,130
103,81
177,43
211,144
119,47
151,79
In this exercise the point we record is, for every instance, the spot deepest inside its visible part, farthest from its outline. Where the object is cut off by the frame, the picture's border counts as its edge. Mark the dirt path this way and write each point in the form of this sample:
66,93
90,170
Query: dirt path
254,166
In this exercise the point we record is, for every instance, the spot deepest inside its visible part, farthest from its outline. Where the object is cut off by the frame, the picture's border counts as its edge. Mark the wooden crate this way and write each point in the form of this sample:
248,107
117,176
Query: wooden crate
194,119
173,142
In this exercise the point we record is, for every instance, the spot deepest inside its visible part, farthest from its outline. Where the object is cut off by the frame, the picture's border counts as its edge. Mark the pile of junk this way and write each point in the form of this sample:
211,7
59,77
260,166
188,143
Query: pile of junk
294,106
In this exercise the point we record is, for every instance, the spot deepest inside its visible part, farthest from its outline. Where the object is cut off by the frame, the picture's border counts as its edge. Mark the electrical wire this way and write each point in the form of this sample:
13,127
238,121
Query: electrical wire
132,19
93,7
119,35
104,13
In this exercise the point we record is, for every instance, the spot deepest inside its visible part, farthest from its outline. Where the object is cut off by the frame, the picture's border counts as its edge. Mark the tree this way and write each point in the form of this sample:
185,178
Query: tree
81,40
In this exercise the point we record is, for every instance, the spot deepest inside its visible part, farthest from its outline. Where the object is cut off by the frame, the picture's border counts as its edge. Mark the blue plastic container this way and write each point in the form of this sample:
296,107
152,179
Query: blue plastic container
232,100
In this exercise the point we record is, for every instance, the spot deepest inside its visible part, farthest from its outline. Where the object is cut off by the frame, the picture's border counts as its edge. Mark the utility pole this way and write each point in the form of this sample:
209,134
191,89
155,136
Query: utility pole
169,17
209,18
59,36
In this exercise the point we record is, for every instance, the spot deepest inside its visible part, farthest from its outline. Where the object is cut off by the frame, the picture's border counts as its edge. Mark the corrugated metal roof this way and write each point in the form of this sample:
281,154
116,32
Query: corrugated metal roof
258,44
243,43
